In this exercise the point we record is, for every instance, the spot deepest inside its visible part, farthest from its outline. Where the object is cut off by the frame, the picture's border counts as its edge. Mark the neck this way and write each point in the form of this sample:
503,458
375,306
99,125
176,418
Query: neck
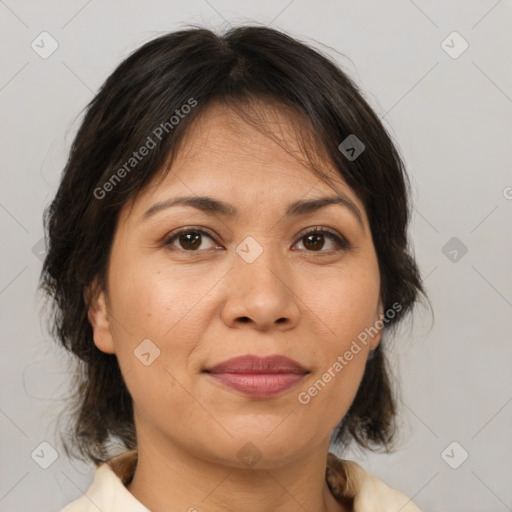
175,479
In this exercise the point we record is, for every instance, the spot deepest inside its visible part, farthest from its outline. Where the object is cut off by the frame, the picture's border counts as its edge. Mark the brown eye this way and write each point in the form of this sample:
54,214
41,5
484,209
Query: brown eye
315,241
188,239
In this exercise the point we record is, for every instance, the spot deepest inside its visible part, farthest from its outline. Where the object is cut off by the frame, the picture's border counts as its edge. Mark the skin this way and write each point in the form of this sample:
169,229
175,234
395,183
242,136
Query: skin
204,305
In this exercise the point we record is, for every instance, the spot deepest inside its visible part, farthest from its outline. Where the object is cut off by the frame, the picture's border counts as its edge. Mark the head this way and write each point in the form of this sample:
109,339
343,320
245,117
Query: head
150,296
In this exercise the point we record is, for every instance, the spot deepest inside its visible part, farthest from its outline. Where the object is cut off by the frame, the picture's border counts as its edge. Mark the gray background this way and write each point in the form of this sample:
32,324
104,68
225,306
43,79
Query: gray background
451,118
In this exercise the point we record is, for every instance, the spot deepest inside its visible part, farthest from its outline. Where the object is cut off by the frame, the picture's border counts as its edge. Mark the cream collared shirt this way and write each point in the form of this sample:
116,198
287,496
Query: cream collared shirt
346,479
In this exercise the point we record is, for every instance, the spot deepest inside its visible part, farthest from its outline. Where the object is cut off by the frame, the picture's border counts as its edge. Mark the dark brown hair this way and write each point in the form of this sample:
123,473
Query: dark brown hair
145,98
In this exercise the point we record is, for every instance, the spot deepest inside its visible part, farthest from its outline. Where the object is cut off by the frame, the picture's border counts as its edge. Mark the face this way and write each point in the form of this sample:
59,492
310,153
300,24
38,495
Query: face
190,287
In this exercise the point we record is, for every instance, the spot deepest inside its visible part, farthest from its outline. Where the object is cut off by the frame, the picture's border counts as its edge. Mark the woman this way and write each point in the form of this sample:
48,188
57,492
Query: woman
226,250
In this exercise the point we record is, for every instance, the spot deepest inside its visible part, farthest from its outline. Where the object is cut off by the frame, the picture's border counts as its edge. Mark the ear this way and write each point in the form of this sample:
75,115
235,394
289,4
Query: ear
98,316
379,324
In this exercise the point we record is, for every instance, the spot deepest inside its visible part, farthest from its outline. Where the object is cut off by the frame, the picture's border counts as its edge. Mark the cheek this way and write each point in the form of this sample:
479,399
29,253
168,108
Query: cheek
343,309
342,360
345,305
165,306
154,336
153,302
345,319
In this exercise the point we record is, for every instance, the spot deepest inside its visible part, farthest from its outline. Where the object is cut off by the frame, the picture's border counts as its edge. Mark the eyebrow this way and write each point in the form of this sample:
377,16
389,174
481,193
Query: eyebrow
210,205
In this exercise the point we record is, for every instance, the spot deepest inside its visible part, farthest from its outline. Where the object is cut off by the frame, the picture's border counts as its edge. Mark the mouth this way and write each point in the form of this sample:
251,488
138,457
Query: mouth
258,377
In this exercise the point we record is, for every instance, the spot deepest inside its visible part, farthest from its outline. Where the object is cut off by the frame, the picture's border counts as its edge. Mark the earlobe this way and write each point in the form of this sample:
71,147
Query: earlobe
99,319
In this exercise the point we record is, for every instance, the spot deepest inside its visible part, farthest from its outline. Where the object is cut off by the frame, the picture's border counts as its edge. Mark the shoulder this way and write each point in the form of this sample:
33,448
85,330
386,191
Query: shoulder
348,480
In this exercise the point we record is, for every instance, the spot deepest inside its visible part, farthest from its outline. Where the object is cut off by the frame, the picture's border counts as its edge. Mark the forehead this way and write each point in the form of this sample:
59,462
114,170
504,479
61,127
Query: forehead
263,132
254,156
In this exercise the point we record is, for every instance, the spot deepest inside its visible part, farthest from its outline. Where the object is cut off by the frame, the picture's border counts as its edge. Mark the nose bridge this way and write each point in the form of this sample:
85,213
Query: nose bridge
259,259
259,289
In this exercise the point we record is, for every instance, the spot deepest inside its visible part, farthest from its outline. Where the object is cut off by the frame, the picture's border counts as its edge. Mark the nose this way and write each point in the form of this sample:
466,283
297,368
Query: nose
261,293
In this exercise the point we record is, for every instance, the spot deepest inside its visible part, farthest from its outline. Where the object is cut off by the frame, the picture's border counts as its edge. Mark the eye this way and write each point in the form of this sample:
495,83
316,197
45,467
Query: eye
314,240
190,239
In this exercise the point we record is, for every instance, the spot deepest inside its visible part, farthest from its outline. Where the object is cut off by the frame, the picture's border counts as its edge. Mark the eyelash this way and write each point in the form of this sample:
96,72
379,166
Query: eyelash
340,241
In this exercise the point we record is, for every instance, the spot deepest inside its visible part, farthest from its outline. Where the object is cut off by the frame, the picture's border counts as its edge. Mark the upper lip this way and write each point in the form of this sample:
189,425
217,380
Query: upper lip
255,364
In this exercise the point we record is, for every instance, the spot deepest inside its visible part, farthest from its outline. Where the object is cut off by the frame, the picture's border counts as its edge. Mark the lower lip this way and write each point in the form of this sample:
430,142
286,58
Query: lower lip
258,385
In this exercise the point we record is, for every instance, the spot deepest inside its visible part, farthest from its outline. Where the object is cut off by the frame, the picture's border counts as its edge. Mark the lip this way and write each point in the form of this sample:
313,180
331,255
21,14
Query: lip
259,377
